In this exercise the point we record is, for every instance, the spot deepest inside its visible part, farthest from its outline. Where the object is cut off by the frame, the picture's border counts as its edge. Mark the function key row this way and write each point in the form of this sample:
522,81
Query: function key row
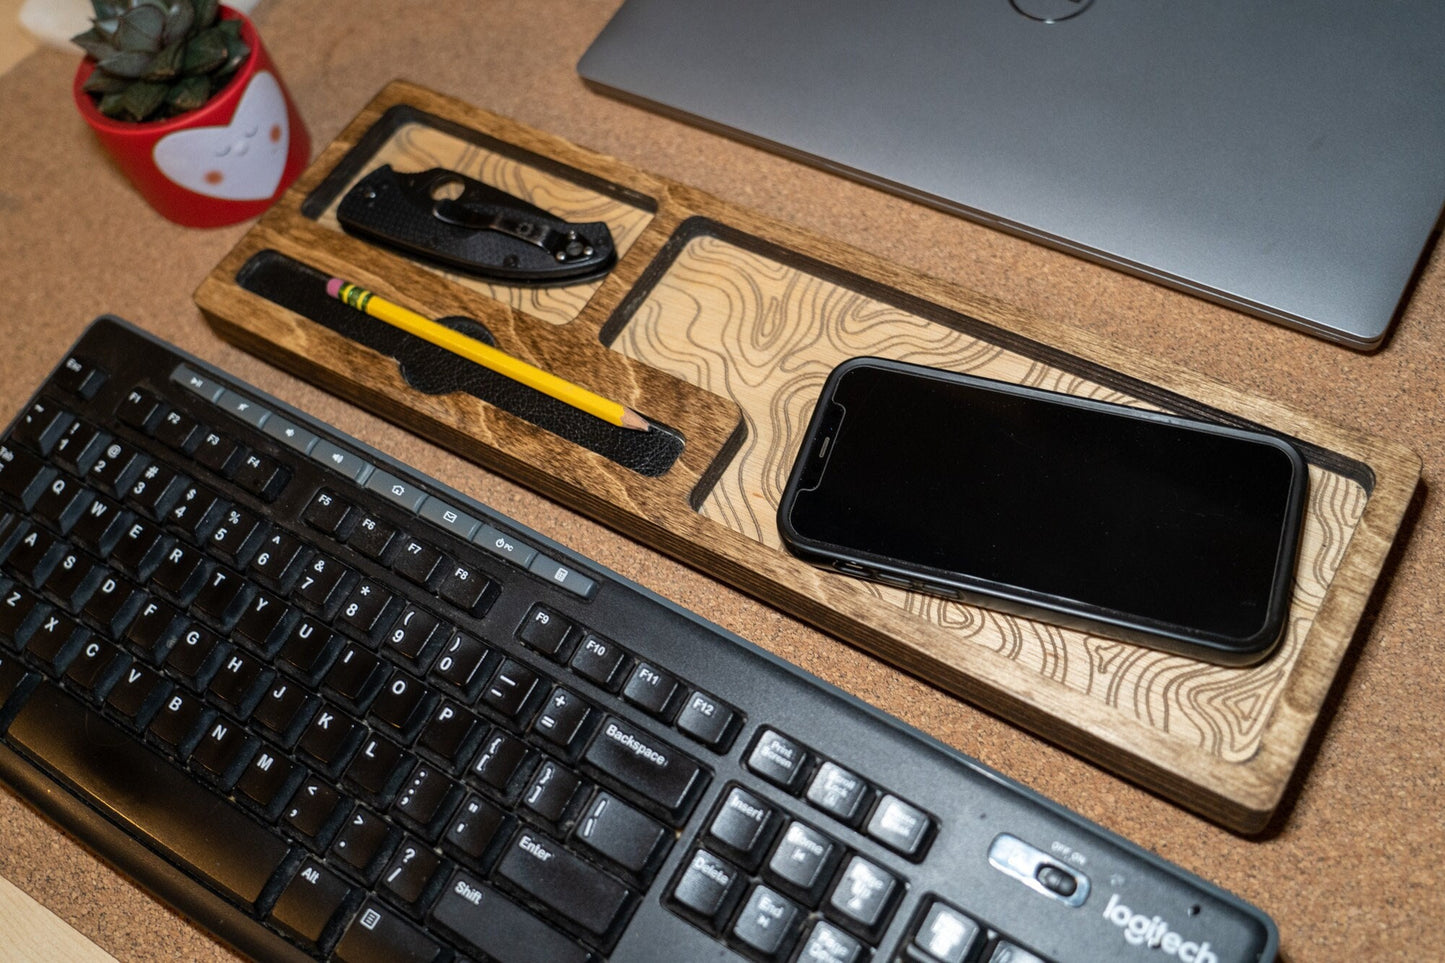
397,491
661,694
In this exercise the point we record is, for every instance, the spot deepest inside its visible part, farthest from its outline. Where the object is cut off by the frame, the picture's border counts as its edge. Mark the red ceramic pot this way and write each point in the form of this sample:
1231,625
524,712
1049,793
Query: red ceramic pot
223,162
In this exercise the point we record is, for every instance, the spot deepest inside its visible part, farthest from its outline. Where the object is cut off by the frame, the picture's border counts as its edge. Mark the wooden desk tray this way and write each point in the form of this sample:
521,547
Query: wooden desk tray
722,325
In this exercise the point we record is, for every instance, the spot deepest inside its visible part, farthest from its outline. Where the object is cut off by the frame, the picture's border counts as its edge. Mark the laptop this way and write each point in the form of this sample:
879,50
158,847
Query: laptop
1282,158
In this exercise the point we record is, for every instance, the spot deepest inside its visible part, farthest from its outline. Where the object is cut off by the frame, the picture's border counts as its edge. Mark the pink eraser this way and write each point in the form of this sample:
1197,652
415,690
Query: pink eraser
333,287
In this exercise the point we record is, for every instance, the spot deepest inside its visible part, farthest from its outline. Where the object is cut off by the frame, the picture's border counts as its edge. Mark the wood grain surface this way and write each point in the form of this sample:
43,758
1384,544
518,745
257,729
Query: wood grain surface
724,324
767,335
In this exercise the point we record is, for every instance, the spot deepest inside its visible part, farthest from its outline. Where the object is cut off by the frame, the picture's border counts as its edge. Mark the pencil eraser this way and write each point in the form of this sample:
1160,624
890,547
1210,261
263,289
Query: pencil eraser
333,287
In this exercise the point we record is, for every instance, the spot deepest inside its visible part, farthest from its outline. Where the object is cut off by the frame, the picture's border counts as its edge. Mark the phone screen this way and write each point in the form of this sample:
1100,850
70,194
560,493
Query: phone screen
1176,526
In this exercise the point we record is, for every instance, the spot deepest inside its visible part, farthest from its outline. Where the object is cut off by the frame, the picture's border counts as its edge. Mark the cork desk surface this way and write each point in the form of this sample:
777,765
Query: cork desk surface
1348,867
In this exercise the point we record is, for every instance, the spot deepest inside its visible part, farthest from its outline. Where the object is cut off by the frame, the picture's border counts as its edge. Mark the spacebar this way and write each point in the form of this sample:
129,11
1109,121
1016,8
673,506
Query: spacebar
146,795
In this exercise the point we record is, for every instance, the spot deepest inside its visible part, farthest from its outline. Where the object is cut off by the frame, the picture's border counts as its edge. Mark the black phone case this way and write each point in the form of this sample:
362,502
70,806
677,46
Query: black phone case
1018,600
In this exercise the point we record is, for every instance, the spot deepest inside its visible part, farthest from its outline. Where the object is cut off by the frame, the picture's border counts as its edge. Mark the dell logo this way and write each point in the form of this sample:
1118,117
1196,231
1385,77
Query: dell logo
1050,11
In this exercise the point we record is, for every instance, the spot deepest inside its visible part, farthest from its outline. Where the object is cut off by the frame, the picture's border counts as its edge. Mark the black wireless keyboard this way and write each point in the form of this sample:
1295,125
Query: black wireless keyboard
328,707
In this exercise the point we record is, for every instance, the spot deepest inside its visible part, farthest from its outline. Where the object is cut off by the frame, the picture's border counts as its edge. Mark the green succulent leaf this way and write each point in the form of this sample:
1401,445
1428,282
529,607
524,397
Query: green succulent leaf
94,43
188,94
132,64
137,102
205,53
180,17
206,12
236,54
159,57
108,9
167,64
140,29
103,83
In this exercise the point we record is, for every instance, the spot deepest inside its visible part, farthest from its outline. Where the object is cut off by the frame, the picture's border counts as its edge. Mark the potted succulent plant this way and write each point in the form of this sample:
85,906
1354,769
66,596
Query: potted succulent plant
186,100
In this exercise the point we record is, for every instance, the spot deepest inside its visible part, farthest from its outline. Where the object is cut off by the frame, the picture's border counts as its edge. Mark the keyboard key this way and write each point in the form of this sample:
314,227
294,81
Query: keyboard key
460,661
447,731
545,871
273,560
900,825
135,689
413,630
449,518
378,934
562,718
159,803
311,807
778,759
424,795
378,766
466,588
803,859
826,943
411,868
501,758
41,426
371,536
262,476
80,377
140,408
837,792
474,827
310,901
268,779
621,833
364,840
652,768
863,896
490,925
327,512
507,693
181,572
551,789
545,631
742,826
767,922
178,430
415,561
401,493
400,702
600,661
707,720
707,887
501,544
650,688
218,453
947,935
562,575
23,476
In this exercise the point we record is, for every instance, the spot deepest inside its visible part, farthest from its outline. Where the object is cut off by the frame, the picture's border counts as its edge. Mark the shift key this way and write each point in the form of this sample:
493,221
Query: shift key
646,765
491,925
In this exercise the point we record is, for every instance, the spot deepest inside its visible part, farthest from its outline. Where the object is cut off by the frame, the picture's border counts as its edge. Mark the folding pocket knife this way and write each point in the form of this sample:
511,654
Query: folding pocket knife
455,221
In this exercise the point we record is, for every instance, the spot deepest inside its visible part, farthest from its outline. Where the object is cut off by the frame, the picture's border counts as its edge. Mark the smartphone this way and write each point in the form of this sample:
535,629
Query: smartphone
1165,531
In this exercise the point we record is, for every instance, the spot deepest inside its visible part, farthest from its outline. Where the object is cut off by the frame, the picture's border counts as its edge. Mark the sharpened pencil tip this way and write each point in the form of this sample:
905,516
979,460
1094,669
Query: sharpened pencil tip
631,419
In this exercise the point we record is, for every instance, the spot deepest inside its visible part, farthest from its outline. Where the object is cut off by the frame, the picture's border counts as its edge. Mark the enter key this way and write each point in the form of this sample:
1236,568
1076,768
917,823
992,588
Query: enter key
544,870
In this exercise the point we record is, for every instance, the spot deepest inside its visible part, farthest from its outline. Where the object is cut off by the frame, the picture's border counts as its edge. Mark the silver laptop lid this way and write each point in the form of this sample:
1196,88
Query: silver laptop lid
1283,158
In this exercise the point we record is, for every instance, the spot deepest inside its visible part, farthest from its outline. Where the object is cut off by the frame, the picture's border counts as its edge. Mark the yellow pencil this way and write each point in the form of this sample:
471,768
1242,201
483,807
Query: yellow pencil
487,356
